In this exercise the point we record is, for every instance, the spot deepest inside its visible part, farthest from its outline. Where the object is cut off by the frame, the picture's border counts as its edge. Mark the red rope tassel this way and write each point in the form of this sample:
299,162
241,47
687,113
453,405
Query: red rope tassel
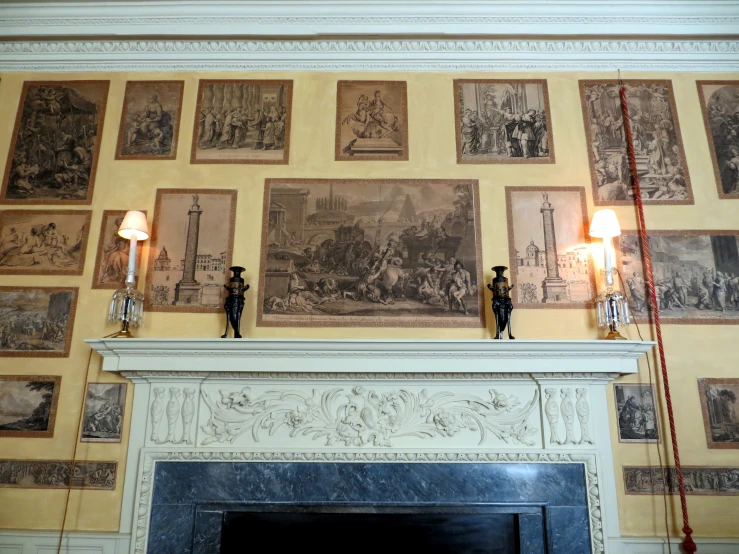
688,544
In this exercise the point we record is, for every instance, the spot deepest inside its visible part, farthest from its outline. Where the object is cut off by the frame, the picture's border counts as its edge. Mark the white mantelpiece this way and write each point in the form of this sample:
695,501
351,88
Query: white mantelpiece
533,401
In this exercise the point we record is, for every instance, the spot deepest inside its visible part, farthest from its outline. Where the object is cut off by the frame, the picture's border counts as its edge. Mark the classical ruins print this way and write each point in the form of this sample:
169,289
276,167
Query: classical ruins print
660,158
150,121
637,420
242,122
56,139
502,121
190,250
36,322
707,481
720,106
696,275
105,404
364,252
720,411
549,247
28,405
43,242
111,262
55,474
371,120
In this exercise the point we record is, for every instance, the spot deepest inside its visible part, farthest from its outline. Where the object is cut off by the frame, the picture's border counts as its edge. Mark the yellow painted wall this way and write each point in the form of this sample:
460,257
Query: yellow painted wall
693,351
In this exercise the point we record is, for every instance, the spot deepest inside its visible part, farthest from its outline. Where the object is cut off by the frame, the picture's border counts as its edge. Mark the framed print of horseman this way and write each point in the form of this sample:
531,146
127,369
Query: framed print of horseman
56,140
720,106
371,252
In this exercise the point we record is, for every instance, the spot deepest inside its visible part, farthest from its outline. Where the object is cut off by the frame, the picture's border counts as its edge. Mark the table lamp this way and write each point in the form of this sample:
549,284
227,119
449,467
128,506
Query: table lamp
127,305
613,307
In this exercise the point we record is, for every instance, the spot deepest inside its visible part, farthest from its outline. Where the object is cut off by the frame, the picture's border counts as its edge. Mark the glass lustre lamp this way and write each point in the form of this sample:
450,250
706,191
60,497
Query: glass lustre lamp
613,307
127,305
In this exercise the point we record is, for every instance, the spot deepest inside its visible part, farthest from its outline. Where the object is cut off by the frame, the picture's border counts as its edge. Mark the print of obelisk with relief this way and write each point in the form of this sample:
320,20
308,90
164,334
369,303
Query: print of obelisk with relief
187,291
553,286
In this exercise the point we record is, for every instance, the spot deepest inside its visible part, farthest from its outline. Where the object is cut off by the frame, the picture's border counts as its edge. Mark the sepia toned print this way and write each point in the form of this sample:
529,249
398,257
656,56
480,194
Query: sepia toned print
190,250
150,121
365,252
660,158
55,474
28,405
696,275
707,481
720,106
549,249
242,122
103,416
111,262
371,120
37,322
720,411
637,420
502,121
41,242
56,140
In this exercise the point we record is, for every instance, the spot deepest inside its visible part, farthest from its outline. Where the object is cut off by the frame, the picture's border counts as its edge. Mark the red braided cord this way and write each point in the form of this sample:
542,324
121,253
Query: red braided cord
688,544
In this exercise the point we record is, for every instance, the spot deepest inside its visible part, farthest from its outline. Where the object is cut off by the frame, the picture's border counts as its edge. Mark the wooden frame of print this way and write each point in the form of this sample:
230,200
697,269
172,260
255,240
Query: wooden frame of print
504,160
83,245
123,412
709,134
591,159
49,433
95,153
671,469
512,248
96,284
153,247
68,334
340,90
702,382
175,123
264,320
658,440
198,106
682,233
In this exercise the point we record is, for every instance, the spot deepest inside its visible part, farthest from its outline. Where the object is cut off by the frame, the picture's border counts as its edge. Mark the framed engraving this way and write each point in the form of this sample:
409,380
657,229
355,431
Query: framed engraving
503,121
28,405
105,404
43,242
371,252
55,474
242,122
56,141
371,120
720,418
702,481
548,247
635,409
190,250
111,261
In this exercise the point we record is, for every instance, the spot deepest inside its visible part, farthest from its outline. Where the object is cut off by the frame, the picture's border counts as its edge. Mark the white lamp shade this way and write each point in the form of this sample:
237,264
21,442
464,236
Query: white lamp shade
134,225
604,224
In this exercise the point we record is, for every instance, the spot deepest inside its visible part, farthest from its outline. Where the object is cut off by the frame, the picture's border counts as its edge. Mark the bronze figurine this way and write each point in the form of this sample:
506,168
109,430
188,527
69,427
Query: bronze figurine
502,303
234,303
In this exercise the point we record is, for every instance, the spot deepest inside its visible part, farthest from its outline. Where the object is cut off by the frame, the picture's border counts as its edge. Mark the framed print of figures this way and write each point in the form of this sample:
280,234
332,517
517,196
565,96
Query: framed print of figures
370,253
150,121
103,416
695,275
637,420
190,250
242,122
502,121
371,120
720,411
705,481
720,104
55,474
56,139
28,405
660,158
43,242
36,322
549,247
111,261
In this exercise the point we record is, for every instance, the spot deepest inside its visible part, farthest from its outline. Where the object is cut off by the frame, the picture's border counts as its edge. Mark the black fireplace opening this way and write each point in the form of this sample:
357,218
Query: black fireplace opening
363,529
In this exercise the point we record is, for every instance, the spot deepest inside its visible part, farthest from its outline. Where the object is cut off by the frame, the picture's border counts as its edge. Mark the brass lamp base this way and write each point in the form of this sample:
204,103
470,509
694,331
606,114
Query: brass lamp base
615,335
122,334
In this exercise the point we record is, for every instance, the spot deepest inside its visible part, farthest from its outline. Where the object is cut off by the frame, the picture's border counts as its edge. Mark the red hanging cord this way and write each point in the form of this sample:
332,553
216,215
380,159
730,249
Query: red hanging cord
688,543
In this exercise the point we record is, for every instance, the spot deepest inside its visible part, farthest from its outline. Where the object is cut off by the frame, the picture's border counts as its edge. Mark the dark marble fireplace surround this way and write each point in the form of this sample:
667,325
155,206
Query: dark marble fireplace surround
546,502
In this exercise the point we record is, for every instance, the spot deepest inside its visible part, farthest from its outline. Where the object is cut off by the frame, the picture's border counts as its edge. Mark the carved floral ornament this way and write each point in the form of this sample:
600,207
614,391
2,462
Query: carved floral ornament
359,417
